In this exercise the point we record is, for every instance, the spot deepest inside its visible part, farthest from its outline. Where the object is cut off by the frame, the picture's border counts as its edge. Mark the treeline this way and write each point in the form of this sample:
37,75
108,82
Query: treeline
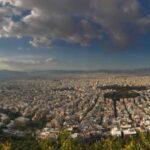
123,88
64,142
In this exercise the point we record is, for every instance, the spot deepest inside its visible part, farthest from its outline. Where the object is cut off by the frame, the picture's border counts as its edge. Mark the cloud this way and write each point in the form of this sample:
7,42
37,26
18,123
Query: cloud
25,61
29,63
74,21
4,66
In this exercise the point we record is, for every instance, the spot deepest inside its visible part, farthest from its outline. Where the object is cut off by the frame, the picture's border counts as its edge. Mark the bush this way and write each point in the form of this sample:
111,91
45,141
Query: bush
64,142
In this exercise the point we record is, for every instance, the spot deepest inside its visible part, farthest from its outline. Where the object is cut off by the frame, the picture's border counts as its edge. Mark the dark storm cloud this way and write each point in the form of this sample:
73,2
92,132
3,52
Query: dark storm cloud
73,20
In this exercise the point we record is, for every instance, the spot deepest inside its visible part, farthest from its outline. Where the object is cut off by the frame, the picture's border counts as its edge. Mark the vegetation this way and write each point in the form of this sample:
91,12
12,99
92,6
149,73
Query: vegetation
124,88
64,142
37,124
12,115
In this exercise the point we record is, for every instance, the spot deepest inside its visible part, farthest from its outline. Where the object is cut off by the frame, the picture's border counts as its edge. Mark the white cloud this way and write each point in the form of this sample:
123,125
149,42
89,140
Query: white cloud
29,63
41,41
49,20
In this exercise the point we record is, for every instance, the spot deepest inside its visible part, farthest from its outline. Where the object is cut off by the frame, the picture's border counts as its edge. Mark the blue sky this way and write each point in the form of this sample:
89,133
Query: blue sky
83,41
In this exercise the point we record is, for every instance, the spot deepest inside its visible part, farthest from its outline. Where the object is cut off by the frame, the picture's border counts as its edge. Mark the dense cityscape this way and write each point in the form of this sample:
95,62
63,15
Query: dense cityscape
74,74
44,107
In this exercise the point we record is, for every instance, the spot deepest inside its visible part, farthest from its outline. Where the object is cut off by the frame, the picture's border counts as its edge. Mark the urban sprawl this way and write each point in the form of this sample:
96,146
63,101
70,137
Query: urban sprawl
44,107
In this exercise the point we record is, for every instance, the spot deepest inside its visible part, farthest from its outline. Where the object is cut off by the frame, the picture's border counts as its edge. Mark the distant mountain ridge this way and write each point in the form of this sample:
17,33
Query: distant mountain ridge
53,73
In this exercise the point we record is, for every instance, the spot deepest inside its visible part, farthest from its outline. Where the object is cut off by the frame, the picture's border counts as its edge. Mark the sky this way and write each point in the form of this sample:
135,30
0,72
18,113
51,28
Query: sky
74,34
